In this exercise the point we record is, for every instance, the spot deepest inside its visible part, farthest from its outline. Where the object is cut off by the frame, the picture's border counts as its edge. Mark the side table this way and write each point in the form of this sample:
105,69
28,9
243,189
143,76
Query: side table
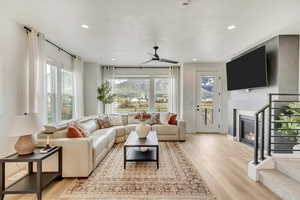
33,182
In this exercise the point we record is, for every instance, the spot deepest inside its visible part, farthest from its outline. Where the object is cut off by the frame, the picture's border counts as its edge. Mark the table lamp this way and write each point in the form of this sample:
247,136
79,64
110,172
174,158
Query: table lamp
24,127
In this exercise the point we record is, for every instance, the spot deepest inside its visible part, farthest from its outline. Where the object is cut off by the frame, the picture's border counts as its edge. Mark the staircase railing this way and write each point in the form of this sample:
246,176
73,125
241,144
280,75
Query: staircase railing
261,113
280,140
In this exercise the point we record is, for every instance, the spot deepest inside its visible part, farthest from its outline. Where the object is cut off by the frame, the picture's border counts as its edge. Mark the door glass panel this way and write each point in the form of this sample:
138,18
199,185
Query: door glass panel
207,108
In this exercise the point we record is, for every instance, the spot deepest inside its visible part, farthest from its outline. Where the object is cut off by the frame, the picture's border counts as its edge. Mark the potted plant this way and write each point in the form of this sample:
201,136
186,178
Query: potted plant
105,93
290,113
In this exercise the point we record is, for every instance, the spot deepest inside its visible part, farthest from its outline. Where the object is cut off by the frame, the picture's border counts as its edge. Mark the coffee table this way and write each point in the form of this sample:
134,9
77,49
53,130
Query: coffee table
132,147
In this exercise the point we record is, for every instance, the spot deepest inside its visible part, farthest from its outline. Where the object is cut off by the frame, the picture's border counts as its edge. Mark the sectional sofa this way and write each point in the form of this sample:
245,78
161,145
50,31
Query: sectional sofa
82,155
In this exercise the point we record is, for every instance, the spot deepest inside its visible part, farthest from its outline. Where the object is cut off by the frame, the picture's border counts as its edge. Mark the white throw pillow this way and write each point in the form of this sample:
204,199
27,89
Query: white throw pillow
164,117
87,127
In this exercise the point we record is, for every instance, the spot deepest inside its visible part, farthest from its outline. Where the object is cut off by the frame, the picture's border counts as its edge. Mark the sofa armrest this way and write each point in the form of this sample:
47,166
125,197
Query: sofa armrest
77,155
182,129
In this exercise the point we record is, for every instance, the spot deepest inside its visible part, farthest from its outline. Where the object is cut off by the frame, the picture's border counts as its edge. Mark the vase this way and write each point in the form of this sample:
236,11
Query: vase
142,129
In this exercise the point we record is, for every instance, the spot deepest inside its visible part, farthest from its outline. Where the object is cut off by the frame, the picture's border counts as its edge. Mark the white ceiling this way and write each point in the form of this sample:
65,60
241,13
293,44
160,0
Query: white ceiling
127,29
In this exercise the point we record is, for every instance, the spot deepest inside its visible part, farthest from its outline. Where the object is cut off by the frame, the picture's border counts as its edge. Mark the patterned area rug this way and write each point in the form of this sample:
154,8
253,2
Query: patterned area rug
175,179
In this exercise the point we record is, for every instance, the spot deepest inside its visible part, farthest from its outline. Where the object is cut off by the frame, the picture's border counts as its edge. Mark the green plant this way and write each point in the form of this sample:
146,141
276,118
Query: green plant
105,93
290,118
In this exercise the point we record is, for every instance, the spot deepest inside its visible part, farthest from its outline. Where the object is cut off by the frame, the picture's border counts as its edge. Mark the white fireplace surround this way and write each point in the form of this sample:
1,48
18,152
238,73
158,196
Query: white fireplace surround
238,114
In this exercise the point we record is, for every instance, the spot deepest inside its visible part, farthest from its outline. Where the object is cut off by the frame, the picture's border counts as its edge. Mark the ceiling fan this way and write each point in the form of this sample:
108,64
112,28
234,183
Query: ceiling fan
155,57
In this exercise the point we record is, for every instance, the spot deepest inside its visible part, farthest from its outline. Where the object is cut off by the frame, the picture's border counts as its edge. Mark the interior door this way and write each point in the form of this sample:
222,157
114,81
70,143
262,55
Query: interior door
208,111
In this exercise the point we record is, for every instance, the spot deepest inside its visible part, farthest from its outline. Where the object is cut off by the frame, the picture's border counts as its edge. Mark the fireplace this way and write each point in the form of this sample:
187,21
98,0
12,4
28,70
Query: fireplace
247,129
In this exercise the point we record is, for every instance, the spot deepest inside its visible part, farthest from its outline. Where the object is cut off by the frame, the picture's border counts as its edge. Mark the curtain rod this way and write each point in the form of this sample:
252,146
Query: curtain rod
143,67
61,49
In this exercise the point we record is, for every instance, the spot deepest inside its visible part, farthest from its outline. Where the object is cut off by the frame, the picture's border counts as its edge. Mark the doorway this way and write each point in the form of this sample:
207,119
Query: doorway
208,102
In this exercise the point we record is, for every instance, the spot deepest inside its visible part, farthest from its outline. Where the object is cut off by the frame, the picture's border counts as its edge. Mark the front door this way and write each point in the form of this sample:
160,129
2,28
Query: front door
208,111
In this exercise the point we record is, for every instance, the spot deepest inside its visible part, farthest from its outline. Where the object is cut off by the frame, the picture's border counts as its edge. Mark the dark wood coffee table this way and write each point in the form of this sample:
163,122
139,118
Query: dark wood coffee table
132,151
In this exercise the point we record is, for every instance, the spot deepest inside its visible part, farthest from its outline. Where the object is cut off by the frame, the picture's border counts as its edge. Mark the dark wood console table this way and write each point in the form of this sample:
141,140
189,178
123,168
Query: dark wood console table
33,182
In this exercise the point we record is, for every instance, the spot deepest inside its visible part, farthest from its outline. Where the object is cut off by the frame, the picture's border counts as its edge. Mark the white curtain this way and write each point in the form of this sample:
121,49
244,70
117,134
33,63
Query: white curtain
35,76
174,92
109,75
78,88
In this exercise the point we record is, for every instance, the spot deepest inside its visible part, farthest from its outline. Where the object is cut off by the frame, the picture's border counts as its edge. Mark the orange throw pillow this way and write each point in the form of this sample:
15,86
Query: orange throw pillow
172,119
73,132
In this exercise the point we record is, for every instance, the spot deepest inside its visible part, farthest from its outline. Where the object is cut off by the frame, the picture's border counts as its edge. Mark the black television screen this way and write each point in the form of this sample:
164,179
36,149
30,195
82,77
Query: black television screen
248,71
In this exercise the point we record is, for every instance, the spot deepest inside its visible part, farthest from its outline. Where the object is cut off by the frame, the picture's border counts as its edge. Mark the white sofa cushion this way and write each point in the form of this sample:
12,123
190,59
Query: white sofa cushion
87,127
100,143
165,129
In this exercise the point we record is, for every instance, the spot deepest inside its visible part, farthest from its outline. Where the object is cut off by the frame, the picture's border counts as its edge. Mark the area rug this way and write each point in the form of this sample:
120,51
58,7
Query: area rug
176,179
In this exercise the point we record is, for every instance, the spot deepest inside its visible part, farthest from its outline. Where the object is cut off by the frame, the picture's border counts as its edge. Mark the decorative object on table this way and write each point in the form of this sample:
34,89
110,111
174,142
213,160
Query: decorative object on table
142,128
24,127
48,146
33,182
105,94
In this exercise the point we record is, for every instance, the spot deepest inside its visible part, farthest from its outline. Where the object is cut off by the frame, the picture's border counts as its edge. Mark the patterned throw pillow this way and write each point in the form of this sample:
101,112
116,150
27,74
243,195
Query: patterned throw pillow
172,119
104,122
116,120
154,119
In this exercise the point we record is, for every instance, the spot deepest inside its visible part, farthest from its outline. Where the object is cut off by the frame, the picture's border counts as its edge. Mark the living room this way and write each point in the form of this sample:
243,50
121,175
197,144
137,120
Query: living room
149,100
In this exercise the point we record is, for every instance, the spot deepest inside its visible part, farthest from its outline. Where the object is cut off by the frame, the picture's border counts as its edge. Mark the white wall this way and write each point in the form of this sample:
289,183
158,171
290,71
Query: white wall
92,79
12,79
188,87
12,56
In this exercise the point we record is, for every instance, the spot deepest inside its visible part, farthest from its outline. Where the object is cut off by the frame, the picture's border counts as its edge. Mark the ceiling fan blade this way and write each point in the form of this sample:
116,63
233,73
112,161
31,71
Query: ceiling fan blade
167,61
147,61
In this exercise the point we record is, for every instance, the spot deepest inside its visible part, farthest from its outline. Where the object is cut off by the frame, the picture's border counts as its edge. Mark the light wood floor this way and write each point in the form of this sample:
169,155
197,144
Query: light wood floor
221,162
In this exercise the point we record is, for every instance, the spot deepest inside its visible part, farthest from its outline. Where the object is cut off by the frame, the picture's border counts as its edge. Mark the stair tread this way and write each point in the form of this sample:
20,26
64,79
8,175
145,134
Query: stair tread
284,186
290,167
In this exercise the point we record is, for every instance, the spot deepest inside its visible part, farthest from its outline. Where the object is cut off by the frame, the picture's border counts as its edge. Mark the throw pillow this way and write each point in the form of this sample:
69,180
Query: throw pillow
87,127
73,132
116,120
172,119
164,117
154,119
104,122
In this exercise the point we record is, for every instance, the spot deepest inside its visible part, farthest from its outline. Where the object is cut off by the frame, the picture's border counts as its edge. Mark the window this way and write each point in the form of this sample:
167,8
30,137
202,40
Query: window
139,94
161,86
59,84
67,95
51,92
132,95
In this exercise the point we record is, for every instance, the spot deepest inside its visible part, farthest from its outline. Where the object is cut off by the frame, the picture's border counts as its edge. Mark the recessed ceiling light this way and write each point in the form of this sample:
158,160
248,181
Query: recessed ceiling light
194,59
113,59
84,26
231,27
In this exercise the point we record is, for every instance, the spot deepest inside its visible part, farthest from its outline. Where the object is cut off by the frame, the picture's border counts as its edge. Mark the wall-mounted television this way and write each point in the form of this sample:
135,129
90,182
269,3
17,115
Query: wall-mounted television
248,71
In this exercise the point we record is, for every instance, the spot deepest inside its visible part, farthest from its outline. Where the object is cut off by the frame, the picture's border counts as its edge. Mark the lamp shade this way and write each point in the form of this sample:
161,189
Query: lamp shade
26,124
